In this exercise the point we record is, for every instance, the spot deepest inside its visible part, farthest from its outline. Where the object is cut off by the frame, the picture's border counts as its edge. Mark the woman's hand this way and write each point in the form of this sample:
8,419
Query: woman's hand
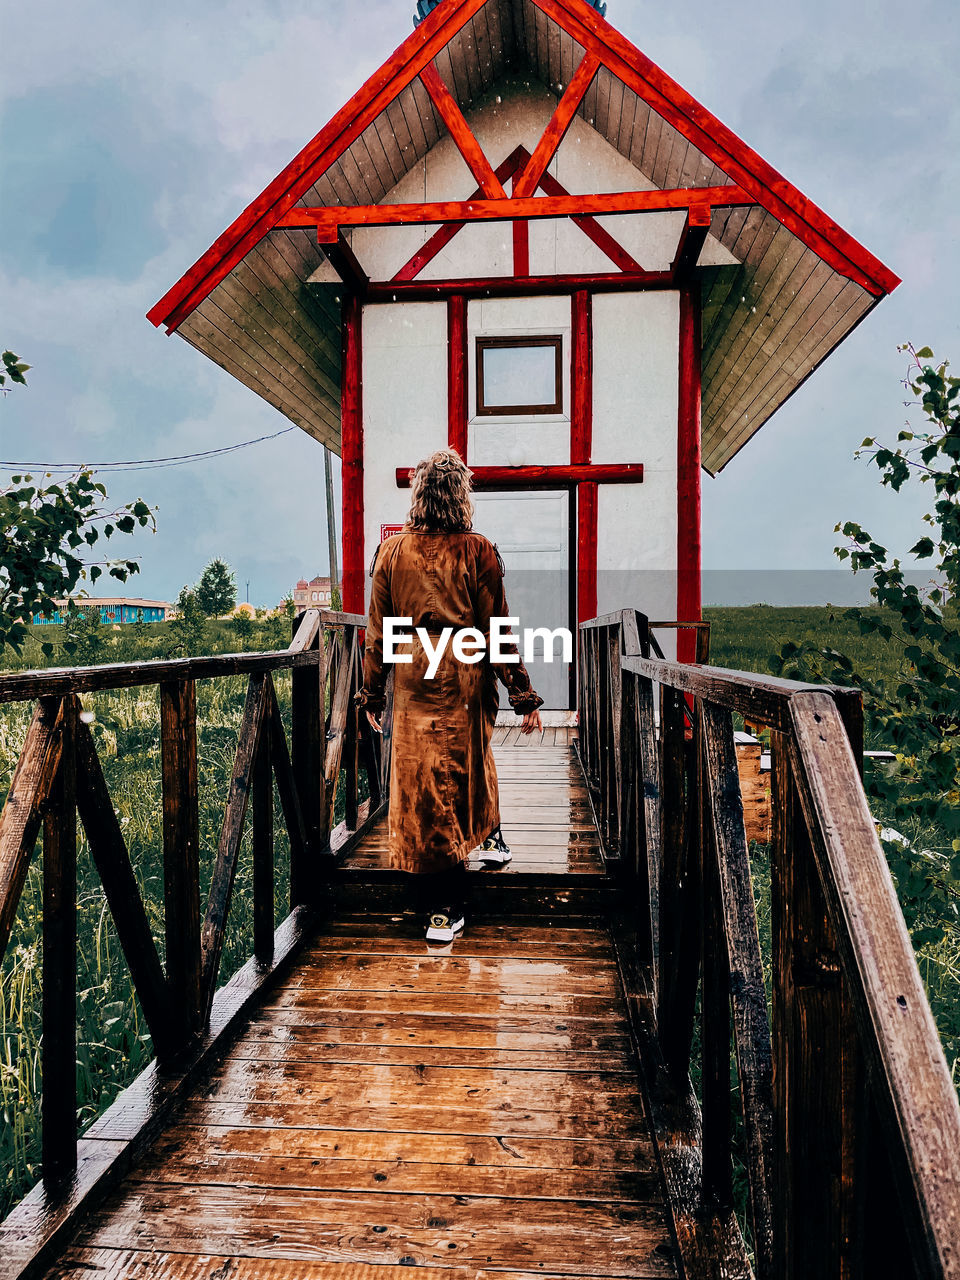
531,721
374,721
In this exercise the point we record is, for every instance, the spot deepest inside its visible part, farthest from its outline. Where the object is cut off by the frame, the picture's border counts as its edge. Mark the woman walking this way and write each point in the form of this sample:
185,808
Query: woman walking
436,574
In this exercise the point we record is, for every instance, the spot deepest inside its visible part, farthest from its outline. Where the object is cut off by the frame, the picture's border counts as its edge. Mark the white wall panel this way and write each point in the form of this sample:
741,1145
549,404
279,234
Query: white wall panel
635,383
404,404
518,439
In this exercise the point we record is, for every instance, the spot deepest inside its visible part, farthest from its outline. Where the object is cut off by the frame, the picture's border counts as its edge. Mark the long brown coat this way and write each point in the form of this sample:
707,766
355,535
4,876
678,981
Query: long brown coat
443,780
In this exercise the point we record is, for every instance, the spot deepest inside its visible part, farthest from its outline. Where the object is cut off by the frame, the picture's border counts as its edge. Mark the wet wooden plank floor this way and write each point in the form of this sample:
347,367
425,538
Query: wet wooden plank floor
545,809
469,1110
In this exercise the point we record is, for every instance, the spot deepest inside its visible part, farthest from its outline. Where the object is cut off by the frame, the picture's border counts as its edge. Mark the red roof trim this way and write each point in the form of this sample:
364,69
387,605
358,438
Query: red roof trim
419,48
581,21
770,188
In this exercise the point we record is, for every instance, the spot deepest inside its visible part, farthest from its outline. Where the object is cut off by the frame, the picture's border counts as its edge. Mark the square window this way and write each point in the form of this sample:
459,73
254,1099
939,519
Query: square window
519,375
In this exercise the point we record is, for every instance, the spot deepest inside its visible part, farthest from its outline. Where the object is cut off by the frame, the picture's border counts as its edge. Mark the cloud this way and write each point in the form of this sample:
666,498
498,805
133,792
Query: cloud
300,77
106,386
81,166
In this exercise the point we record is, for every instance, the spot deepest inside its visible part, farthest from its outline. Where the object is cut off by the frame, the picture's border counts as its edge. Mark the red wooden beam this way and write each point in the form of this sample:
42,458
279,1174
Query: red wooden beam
588,502
346,264
560,122
589,226
581,378
546,477
692,239
550,186
745,167
688,470
419,49
461,132
440,239
457,405
593,230
516,286
351,455
581,446
328,218
521,243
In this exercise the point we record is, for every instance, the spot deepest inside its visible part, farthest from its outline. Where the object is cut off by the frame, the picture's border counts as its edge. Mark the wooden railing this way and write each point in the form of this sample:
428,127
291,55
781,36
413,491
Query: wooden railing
849,1129
59,777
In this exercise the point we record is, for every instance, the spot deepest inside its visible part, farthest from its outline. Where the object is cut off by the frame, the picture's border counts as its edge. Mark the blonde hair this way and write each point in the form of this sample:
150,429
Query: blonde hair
440,494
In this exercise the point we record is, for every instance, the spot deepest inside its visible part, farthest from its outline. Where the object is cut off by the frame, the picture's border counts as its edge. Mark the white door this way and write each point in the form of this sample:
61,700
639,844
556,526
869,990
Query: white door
532,532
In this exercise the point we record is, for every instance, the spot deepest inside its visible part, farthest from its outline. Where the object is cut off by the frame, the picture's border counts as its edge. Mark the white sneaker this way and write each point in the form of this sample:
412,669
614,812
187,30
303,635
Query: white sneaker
444,924
495,851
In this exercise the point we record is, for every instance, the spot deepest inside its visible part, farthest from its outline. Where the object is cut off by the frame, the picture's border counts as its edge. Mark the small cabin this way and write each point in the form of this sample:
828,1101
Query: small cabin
112,610
522,238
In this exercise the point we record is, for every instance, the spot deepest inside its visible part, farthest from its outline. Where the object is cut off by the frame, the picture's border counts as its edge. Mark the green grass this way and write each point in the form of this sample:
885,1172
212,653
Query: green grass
747,638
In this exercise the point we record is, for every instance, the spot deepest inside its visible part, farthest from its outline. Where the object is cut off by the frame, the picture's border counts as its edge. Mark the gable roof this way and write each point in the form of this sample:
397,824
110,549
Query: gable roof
803,283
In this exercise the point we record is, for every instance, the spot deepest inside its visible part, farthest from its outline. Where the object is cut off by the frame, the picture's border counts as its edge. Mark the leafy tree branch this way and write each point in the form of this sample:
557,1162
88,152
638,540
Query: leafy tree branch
917,714
47,530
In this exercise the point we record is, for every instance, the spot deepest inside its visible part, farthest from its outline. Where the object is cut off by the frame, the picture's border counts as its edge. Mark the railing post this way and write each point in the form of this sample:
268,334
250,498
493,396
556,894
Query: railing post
631,834
614,763
181,851
386,726
263,859
679,927
703,643
593,696
816,1058
583,698
649,819
850,705
714,1002
341,689
307,687
742,994
351,740
59,1099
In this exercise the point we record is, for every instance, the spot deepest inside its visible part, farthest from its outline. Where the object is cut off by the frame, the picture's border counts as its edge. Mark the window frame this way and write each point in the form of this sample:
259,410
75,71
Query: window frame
483,344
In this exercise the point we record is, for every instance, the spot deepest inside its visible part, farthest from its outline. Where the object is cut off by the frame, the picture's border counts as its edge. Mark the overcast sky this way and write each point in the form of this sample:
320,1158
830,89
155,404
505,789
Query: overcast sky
133,133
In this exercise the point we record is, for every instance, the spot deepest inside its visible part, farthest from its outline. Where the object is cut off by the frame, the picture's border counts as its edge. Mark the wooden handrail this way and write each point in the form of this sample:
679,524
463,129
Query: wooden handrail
59,778
760,699
332,618
25,686
851,1129
919,1104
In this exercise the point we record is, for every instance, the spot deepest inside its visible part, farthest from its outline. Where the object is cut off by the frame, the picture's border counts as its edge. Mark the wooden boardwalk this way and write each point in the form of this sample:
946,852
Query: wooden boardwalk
466,1109
546,813
549,1095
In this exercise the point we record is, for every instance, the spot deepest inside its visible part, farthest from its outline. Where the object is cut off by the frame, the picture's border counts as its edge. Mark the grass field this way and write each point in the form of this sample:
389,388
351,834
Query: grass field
746,639
113,1042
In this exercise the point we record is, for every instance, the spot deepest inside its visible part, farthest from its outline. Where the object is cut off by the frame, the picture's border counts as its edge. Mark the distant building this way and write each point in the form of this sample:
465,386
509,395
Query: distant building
116,609
315,594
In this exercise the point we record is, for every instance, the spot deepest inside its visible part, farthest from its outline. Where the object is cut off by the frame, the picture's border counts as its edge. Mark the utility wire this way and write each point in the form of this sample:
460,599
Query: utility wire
142,464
